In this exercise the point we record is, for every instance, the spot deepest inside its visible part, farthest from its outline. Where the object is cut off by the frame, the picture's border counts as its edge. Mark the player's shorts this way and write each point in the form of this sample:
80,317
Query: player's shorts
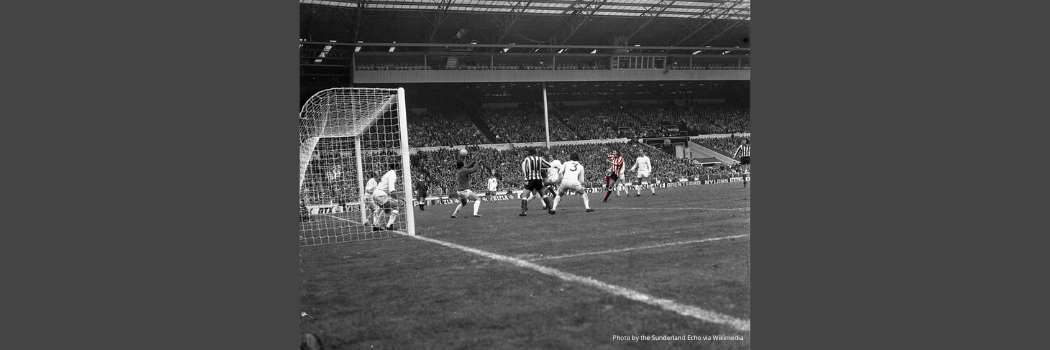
574,186
643,174
382,198
533,185
551,181
468,194
745,160
371,203
614,176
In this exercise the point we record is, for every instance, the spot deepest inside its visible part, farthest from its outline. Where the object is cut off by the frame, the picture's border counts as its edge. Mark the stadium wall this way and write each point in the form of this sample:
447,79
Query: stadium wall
538,76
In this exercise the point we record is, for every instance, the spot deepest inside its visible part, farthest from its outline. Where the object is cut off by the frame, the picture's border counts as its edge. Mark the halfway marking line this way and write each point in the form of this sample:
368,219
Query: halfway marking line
666,304
642,247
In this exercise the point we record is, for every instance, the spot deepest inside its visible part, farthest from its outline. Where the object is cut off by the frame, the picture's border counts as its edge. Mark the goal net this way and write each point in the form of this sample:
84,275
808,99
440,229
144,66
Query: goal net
348,136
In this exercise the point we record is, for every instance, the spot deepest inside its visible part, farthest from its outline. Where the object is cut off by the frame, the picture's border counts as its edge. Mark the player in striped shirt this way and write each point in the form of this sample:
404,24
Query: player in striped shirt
644,168
745,157
616,162
532,167
620,186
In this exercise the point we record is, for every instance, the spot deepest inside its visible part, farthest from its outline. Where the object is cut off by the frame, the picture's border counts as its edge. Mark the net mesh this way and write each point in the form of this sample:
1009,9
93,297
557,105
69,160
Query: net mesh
348,136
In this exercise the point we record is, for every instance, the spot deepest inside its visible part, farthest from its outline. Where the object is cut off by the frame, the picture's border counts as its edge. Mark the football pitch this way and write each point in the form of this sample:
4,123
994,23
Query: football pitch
674,267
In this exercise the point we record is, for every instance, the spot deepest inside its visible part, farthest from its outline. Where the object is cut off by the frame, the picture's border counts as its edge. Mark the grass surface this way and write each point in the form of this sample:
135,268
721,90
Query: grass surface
411,294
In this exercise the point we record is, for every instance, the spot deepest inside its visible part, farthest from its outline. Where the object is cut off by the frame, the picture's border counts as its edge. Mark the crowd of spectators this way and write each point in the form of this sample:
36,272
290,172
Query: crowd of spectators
702,119
442,126
586,122
725,144
661,120
438,168
447,126
525,124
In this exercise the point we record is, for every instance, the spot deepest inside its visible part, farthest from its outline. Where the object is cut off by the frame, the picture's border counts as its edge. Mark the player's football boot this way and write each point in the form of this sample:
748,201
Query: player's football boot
477,216
590,210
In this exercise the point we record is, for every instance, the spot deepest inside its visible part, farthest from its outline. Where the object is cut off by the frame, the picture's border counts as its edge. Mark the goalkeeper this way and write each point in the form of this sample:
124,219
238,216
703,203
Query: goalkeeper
462,187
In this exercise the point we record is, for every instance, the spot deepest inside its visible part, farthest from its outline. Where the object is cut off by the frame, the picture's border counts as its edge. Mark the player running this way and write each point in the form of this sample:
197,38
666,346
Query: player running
614,173
644,168
572,179
532,167
620,186
745,157
462,187
384,199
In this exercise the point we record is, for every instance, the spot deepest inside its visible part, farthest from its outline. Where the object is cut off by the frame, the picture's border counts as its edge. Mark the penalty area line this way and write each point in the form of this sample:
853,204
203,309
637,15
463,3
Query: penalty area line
666,304
642,247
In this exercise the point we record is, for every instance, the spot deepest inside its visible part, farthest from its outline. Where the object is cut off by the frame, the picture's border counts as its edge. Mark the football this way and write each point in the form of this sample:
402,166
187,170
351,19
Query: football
462,153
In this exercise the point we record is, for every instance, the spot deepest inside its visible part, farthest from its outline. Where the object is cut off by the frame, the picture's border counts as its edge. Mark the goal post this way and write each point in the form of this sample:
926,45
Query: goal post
348,136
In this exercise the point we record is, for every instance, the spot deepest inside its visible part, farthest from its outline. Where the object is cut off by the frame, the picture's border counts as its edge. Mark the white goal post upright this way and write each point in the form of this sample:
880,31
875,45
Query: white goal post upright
360,178
402,115
345,134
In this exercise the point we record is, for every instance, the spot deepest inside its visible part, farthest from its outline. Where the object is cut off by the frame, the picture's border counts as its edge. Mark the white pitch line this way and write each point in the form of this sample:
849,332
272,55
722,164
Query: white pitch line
666,304
339,218
642,247
394,231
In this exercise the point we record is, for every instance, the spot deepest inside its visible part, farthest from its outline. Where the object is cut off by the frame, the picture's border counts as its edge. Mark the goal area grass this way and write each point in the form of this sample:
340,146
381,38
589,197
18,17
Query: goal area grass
689,245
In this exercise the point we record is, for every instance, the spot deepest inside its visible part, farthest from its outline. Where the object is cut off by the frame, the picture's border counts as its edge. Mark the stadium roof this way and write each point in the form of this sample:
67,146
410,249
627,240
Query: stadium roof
691,23
725,9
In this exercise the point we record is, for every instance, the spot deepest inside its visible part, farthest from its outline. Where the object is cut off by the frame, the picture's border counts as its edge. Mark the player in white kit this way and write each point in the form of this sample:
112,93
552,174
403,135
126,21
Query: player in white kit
620,186
384,200
553,178
572,179
372,209
644,168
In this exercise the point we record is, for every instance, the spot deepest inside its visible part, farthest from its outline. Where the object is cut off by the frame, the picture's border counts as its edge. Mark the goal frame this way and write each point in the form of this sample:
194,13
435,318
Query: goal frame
405,151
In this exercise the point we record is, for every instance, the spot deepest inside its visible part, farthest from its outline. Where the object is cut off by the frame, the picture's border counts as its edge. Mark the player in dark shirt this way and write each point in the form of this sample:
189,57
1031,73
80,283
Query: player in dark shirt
462,187
421,186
